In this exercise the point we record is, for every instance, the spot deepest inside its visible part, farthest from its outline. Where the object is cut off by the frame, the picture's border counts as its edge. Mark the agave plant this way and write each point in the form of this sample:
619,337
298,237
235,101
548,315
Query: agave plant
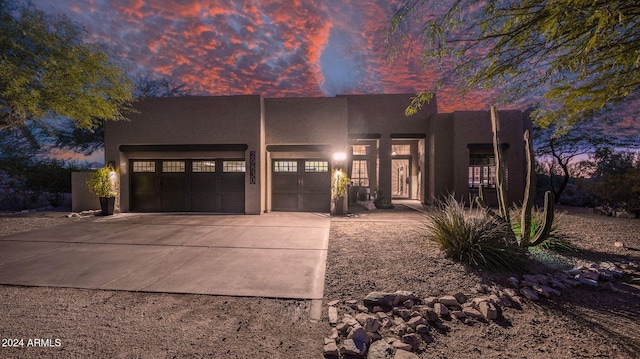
479,240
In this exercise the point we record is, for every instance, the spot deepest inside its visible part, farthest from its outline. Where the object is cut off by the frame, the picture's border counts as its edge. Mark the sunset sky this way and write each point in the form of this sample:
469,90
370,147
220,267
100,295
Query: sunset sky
287,48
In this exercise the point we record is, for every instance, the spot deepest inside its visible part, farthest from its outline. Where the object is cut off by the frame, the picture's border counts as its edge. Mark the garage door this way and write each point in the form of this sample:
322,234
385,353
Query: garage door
301,185
188,185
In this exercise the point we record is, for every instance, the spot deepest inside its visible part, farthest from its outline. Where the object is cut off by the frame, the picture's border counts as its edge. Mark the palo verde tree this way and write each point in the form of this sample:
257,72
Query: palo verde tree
66,136
48,71
561,151
581,56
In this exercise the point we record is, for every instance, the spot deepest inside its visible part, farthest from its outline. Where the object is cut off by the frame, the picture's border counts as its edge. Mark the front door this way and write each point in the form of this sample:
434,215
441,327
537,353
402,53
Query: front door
400,175
301,185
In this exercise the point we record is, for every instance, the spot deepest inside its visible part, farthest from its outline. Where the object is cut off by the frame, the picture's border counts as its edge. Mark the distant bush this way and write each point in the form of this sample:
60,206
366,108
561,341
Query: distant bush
477,239
28,184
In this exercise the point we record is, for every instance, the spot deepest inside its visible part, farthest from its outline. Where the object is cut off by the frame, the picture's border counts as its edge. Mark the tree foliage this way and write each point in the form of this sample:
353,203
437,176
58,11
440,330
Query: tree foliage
149,85
48,71
582,56
616,179
88,140
559,153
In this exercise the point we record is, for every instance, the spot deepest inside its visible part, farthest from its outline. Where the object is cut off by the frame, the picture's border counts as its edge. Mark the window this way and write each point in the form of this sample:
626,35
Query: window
233,166
482,170
285,166
316,166
360,150
359,173
403,150
173,166
144,166
203,166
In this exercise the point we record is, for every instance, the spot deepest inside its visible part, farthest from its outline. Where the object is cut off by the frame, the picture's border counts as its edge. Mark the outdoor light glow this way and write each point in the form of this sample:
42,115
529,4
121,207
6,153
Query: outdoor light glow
339,156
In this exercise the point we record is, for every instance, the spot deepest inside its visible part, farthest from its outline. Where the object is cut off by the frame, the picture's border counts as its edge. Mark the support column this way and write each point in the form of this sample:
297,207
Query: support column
384,176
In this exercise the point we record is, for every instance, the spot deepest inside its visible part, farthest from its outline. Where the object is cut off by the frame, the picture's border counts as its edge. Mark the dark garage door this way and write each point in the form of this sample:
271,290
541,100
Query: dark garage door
301,185
188,185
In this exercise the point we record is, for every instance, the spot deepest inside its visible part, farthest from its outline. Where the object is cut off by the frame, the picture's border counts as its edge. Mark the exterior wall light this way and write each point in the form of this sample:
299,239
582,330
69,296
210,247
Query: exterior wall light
339,156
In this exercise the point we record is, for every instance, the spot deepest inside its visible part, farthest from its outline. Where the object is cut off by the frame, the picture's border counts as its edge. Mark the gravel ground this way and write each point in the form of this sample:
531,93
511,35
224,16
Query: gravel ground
377,250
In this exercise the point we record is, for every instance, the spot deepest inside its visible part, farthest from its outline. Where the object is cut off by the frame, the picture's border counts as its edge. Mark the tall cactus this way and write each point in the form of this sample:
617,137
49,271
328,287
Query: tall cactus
525,238
500,173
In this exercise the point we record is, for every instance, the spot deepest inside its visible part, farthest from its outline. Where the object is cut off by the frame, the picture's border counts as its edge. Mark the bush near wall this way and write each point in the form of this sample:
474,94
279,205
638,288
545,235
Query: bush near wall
35,183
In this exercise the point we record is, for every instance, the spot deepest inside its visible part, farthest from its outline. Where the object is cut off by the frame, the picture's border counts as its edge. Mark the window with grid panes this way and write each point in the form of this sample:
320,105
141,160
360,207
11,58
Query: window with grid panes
316,166
360,150
360,173
233,166
173,166
203,166
144,166
402,150
285,166
482,170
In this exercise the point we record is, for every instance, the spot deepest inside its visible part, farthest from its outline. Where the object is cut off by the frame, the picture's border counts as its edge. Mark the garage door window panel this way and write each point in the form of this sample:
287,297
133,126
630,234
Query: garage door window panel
285,166
203,166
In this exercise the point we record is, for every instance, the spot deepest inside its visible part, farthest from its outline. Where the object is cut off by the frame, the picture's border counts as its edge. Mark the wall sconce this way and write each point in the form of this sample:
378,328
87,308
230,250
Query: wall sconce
339,156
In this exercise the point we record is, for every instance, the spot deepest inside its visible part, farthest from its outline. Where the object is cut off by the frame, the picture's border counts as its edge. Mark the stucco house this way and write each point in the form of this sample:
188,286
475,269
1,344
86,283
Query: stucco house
249,154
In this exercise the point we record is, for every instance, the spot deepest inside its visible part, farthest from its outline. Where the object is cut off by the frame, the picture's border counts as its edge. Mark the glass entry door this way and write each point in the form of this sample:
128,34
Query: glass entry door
400,175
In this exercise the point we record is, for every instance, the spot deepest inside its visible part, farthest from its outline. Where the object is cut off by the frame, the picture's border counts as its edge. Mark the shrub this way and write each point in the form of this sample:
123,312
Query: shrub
479,240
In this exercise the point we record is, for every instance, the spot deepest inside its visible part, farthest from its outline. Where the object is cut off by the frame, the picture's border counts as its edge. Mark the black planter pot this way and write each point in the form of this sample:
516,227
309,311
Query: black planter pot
107,205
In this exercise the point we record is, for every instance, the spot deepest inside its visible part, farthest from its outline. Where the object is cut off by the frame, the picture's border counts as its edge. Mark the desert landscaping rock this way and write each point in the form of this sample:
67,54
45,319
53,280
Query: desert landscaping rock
411,318
449,301
381,350
403,354
330,348
349,347
589,321
379,299
488,310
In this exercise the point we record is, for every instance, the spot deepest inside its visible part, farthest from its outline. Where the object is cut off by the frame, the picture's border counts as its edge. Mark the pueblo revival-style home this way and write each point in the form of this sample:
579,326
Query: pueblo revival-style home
249,154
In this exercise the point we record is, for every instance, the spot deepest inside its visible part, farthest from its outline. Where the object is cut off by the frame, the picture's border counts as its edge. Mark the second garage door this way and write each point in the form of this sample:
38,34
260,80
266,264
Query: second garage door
188,185
301,185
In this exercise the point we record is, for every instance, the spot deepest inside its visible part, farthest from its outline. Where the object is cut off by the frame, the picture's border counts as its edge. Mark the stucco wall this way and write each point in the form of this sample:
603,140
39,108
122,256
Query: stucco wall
329,122
306,121
384,115
439,157
81,198
191,120
474,127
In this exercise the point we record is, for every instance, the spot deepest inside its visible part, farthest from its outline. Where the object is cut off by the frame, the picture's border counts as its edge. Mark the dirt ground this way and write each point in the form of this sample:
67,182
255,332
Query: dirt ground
369,251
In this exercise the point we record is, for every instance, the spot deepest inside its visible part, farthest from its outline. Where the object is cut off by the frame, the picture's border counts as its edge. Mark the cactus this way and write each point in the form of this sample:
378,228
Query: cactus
525,239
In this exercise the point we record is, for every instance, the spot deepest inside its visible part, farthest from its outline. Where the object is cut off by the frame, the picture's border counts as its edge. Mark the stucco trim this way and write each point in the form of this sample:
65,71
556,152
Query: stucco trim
365,136
408,135
485,146
299,148
184,148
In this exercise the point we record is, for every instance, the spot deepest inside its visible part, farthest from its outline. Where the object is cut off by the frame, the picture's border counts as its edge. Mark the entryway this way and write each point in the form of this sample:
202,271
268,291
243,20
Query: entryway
400,177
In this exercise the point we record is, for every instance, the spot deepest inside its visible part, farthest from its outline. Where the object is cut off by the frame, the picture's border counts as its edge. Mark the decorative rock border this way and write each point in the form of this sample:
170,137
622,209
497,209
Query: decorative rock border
398,325
88,213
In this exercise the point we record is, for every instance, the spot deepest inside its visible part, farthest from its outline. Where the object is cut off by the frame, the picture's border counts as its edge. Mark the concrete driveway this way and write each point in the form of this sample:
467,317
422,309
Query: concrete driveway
279,255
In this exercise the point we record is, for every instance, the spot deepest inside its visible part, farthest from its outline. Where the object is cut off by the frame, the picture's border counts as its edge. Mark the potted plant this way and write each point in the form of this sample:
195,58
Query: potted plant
102,183
339,185
381,201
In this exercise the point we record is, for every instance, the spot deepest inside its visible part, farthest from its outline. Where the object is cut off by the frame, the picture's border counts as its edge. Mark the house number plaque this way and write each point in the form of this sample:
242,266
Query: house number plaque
252,167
